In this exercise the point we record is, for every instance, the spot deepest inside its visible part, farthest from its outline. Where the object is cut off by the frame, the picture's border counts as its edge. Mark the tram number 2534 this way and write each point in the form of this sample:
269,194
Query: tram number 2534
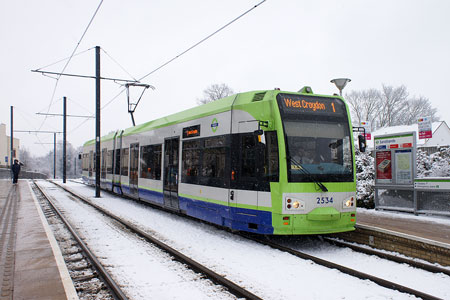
324,200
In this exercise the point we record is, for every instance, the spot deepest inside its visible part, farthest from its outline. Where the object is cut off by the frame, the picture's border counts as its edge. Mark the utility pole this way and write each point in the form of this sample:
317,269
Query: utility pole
54,155
97,121
12,137
64,138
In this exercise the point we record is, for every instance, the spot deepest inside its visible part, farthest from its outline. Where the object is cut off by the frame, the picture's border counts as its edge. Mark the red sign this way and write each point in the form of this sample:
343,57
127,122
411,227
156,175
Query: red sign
384,165
425,134
393,146
407,145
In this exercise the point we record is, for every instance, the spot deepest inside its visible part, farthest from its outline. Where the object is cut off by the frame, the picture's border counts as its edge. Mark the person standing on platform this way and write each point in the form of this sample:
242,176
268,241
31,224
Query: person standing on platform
16,170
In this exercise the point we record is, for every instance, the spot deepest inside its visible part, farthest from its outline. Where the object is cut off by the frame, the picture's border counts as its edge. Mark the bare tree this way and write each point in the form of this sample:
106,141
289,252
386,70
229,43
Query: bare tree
363,105
391,102
416,108
388,107
215,92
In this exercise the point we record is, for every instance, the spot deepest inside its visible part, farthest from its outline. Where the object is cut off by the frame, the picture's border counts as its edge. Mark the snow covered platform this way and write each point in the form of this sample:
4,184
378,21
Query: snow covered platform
433,229
423,237
31,264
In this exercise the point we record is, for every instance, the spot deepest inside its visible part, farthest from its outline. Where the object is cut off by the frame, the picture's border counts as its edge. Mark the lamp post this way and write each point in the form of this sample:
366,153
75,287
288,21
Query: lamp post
340,83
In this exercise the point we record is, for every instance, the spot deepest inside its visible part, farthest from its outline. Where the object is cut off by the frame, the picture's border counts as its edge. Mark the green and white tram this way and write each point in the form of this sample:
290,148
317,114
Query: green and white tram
269,162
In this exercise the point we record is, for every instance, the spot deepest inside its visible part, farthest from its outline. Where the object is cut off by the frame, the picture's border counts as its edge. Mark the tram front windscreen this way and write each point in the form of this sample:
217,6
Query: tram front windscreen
318,141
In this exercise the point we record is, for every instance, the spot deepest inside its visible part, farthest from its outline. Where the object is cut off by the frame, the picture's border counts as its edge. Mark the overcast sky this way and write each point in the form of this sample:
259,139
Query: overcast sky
282,43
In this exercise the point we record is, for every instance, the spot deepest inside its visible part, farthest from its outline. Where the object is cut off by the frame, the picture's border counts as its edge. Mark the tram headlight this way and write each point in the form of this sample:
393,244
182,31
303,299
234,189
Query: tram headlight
294,204
349,202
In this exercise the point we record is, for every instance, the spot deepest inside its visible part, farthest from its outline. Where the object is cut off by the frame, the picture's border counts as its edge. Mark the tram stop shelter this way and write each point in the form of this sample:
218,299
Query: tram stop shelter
396,185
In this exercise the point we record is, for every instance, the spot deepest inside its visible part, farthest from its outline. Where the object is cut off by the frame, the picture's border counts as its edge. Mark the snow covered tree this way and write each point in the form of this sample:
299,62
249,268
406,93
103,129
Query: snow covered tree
365,179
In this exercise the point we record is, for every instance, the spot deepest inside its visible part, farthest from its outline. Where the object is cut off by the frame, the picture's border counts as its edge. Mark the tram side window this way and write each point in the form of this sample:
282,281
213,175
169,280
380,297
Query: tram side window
83,162
191,161
151,162
117,164
103,162
109,156
125,158
214,162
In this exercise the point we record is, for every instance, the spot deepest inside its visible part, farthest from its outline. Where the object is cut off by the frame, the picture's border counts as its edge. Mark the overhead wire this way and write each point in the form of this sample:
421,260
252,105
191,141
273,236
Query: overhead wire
188,49
201,41
68,61
115,61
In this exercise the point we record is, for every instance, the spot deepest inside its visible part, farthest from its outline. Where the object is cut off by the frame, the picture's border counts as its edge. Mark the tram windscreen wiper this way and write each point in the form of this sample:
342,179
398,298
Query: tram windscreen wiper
307,173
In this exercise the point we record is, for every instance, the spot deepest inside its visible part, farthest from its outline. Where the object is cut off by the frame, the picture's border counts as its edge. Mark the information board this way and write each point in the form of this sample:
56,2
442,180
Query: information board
395,159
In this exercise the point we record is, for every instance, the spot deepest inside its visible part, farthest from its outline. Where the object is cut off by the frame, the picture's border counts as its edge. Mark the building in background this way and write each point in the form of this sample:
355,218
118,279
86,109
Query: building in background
5,147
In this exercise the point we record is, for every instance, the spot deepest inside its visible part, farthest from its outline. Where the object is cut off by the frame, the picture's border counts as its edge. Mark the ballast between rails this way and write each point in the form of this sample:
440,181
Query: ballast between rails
195,266
118,293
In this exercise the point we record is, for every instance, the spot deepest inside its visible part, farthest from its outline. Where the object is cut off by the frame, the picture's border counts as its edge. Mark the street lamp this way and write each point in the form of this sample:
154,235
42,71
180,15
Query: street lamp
340,83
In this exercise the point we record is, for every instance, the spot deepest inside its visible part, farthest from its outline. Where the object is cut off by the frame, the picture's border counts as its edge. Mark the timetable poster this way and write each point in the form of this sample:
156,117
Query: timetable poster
384,166
403,166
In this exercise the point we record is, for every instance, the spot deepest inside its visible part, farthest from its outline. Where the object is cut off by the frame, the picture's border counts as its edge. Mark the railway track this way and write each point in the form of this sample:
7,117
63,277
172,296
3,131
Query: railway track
233,288
380,281
90,278
361,275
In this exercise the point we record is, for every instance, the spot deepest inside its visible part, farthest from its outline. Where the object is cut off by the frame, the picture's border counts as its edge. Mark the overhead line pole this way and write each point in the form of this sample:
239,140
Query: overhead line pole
54,155
97,121
64,138
12,136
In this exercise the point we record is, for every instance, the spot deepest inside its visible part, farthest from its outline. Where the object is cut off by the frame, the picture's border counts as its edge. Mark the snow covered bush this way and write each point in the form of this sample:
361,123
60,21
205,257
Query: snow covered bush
433,165
365,179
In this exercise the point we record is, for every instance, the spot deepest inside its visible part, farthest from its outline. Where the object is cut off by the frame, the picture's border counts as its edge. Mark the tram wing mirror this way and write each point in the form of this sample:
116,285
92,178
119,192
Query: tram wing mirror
258,132
362,143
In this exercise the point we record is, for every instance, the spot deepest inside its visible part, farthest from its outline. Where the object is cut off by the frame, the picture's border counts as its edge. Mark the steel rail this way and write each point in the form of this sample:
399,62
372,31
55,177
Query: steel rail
118,293
343,269
349,271
233,288
397,259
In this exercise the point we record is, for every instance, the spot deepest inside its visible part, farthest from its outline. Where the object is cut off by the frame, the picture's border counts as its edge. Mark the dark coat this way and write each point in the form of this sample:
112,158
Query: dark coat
16,168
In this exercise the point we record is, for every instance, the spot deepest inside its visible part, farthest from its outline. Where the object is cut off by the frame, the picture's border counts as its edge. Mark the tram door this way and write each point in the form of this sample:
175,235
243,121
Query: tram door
134,169
171,155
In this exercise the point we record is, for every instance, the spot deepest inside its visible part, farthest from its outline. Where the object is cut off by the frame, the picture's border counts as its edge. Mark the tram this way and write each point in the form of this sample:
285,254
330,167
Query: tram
270,162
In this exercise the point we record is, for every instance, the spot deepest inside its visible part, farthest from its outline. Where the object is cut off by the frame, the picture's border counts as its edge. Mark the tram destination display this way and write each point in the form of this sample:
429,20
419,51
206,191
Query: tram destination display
294,104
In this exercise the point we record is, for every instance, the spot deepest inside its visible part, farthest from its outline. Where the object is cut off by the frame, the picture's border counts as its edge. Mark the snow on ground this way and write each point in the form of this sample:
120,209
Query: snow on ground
268,273
402,215
141,269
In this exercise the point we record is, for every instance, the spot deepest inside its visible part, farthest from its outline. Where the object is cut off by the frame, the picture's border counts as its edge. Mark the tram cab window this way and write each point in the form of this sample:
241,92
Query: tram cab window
319,150
255,164
151,162
103,164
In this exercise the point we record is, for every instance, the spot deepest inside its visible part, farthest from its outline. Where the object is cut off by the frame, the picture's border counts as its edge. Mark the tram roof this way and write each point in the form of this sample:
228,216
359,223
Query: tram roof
200,111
